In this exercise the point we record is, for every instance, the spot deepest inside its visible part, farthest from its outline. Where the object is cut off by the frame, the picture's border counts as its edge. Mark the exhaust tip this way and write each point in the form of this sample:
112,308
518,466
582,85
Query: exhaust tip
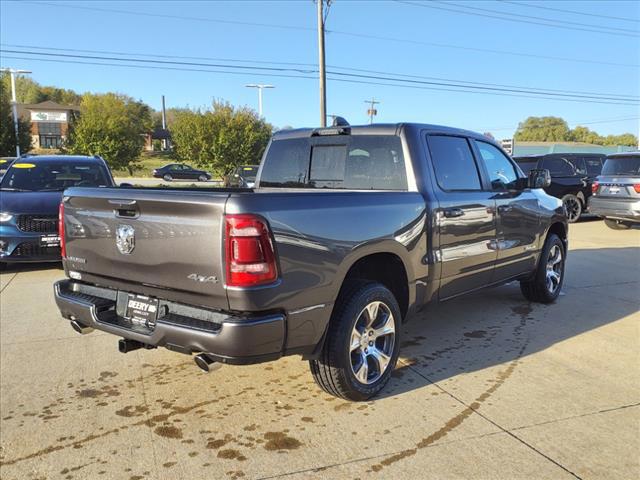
81,328
206,363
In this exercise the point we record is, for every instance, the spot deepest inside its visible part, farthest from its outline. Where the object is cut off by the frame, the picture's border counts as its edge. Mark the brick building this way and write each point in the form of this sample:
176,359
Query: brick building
49,122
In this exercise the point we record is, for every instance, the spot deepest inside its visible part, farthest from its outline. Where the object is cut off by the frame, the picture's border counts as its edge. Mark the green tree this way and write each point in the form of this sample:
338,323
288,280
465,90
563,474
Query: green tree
583,134
112,126
220,139
626,139
7,130
30,91
543,129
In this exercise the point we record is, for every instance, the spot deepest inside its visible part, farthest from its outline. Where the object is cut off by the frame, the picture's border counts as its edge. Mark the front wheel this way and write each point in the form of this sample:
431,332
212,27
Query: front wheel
202,178
547,282
167,178
572,207
617,224
362,345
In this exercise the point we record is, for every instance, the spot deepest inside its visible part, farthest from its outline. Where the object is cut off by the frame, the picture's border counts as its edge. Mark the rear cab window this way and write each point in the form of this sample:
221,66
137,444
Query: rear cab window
350,162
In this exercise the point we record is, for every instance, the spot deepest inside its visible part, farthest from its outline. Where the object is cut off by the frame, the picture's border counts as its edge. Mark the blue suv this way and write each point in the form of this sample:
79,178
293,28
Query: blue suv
30,194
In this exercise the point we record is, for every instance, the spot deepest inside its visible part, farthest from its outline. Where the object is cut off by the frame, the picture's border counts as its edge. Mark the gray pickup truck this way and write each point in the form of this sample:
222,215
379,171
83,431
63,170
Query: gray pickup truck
349,231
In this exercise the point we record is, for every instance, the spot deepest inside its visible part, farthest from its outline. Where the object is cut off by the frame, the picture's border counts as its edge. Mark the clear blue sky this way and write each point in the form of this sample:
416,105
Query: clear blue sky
158,29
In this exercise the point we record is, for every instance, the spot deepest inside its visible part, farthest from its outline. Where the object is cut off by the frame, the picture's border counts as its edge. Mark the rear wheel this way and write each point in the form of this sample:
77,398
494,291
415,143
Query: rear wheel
617,224
546,284
362,345
572,207
167,178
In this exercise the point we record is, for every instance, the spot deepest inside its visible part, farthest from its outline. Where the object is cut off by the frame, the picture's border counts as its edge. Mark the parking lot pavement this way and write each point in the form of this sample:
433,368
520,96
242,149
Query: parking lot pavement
489,386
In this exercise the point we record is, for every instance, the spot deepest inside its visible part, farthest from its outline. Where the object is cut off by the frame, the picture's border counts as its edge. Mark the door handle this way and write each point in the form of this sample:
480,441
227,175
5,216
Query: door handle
453,212
505,208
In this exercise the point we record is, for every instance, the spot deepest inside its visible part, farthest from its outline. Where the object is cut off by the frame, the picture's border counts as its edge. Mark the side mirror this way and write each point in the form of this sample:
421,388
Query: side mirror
126,185
539,178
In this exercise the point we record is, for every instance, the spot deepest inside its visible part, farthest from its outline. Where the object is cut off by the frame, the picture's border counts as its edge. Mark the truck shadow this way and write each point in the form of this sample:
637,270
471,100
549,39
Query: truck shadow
30,267
498,326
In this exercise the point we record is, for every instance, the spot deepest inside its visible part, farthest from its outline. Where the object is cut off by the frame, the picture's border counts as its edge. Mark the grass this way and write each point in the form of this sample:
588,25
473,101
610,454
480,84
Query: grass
147,162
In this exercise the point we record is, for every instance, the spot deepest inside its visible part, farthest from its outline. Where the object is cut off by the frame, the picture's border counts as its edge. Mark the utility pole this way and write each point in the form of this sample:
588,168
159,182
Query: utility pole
371,111
14,103
323,76
260,87
164,125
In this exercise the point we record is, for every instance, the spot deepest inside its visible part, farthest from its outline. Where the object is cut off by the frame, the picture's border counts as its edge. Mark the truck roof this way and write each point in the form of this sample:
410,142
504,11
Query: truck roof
375,129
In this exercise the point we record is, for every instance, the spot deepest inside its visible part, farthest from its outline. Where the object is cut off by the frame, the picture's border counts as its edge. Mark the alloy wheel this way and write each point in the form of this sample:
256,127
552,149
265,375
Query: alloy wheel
573,208
554,269
372,341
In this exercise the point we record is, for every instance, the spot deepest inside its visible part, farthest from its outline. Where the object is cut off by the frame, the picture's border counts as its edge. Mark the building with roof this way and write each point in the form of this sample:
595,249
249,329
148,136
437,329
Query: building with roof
49,122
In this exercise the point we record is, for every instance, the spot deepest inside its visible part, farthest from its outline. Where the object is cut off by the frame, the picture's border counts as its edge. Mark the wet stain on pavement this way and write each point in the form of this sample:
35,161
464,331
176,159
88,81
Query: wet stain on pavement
475,334
280,441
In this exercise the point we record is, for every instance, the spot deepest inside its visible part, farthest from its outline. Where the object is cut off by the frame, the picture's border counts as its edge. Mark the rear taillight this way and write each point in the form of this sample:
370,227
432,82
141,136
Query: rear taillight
63,243
594,187
249,252
636,187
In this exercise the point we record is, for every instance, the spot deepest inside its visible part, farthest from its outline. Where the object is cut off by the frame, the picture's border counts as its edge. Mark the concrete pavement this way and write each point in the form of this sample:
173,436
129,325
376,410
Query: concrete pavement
489,386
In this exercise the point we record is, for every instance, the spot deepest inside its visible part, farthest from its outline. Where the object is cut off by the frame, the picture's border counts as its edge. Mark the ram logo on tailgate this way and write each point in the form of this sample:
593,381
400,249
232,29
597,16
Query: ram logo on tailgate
125,239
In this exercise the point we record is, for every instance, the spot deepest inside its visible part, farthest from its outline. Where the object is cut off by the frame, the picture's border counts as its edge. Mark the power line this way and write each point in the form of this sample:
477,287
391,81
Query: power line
174,17
457,89
456,84
306,71
544,19
502,16
345,33
574,12
478,49
155,55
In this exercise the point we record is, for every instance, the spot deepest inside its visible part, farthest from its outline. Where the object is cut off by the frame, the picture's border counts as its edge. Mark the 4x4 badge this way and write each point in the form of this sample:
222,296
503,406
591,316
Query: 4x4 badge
125,239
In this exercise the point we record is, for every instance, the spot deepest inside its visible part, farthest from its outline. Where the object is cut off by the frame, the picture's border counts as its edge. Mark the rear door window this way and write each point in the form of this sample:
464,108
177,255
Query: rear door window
558,166
593,165
453,163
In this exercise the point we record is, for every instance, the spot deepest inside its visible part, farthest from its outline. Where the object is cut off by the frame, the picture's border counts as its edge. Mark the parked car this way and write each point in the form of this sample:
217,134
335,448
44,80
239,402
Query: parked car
572,175
244,176
30,194
180,171
616,193
347,234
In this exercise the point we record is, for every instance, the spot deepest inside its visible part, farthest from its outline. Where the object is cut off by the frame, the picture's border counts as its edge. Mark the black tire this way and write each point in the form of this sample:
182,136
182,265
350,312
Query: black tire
617,224
572,207
202,178
537,288
333,371
167,178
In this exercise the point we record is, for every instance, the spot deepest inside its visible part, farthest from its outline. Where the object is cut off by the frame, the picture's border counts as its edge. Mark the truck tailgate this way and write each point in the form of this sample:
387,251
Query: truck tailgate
168,239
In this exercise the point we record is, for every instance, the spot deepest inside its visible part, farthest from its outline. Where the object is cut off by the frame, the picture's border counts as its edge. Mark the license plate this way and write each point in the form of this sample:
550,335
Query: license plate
142,310
50,241
614,190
